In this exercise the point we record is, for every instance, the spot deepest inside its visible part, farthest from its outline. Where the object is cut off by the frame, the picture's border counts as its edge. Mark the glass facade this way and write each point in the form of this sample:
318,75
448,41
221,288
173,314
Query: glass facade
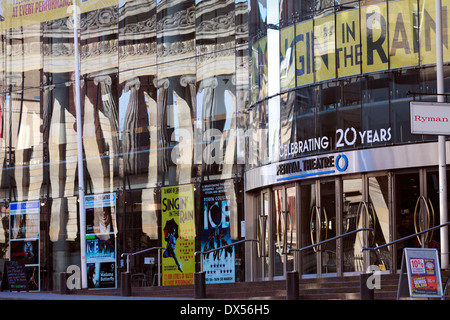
164,86
180,101
329,119
344,76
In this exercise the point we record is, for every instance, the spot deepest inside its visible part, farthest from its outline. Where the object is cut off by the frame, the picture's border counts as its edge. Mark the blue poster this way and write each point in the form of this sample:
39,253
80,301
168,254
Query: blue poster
101,240
218,199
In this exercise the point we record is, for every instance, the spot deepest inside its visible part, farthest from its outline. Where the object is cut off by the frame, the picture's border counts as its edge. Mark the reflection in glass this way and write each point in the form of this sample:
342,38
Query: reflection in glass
379,207
403,82
328,209
351,208
308,204
291,223
288,128
305,123
263,235
349,111
177,100
328,97
280,228
407,187
375,110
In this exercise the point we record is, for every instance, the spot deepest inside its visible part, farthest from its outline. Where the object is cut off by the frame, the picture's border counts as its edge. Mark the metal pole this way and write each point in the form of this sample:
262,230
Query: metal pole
80,150
441,140
159,267
251,262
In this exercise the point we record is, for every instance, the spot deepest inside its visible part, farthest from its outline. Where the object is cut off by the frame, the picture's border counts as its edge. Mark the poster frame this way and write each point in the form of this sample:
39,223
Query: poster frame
25,209
216,231
98,238
178,234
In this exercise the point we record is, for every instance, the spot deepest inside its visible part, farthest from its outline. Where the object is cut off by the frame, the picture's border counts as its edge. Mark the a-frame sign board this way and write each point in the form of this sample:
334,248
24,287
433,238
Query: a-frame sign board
14,276
420,274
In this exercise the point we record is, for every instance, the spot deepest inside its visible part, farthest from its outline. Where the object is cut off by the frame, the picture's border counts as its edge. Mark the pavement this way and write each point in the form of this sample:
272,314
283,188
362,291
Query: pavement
23,295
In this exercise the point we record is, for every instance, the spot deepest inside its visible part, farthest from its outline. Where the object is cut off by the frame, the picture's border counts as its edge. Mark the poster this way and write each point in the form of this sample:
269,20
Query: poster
101,240
423,276
178,234
218,201
24,243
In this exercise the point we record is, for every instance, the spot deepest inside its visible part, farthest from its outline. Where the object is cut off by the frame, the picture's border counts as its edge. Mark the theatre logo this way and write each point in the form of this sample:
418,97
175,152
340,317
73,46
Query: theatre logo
310,167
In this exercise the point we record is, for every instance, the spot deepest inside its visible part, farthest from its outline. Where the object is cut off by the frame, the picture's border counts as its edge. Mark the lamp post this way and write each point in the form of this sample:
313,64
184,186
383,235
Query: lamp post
80,150
441,140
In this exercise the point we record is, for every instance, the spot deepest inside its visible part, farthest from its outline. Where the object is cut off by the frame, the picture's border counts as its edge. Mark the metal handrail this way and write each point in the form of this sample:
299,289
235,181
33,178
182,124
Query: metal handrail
407,237
412,236
329,240
325,241
447,284
142,251
227,246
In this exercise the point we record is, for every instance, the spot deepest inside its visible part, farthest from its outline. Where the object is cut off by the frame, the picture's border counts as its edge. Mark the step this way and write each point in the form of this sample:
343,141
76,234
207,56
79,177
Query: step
332,288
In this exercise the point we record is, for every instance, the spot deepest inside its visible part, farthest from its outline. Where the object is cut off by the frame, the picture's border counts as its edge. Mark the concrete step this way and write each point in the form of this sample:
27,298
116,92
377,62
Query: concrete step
332,288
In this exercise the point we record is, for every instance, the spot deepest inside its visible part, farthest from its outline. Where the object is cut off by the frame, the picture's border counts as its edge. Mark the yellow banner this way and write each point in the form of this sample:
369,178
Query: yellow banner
324,48
17,13
403,44
348,43
374,37
427,31
355,41
287,58
178,234
304,53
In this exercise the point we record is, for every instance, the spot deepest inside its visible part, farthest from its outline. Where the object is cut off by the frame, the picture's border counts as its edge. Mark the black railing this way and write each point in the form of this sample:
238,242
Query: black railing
224,247
143,251
407,237
326,241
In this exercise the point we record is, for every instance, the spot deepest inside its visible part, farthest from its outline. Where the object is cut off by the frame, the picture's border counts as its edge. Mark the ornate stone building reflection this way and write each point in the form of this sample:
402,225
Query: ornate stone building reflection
164,88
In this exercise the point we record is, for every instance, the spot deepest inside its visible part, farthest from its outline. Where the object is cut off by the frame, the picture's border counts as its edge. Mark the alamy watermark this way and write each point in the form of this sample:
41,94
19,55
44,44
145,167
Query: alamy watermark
74,278
374,280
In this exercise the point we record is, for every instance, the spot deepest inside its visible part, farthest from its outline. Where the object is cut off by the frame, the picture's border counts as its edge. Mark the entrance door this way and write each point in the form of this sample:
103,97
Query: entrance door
262,235
365,204
416,209
318,211
276,232
283,230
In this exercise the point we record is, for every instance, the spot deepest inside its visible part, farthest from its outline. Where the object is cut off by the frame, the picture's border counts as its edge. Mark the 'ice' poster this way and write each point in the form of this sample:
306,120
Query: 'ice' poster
218,199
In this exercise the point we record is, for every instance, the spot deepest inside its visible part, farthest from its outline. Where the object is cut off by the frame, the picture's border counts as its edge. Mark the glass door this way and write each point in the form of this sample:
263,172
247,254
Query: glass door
284,230
262,235
318,212
415,209
279,228
276,224
309,230
378,204
352,198
365,204
327,208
